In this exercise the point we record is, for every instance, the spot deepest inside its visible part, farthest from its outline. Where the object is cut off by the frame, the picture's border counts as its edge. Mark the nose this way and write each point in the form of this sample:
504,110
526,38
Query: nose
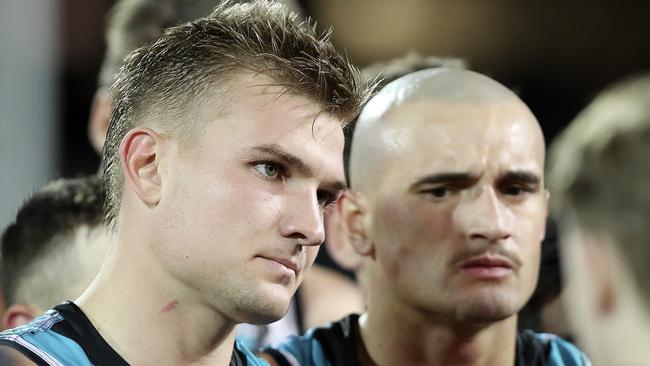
303,219
485,218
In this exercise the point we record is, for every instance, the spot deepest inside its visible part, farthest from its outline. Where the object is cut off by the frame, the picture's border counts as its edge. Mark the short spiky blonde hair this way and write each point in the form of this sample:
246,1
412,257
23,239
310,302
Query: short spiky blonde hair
600,172
169,77
135,23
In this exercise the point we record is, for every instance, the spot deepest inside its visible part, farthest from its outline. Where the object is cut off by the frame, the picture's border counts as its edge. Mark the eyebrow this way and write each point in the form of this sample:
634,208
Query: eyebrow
296,163
521,176
466,179
461,178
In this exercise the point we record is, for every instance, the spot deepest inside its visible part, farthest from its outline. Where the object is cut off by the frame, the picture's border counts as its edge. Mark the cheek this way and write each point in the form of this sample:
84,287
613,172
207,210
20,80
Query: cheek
410,234
310,255
223,207
529,226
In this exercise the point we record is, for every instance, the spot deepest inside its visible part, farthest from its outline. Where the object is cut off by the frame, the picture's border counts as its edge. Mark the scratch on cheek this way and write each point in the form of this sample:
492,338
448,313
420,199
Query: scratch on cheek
169,307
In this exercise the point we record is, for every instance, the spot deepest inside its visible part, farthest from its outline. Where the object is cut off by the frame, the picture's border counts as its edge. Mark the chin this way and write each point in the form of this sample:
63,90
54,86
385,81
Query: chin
487,309
267,307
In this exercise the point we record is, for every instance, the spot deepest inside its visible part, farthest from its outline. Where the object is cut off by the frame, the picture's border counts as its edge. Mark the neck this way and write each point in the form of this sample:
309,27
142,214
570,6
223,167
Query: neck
413,338
133,296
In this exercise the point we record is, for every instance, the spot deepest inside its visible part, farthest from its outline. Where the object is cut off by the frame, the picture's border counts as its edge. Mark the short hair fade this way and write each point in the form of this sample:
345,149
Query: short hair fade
45,226
264,37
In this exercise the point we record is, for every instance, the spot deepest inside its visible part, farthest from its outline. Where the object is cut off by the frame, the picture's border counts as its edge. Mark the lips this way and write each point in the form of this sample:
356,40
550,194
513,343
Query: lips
488,261
287,262
488,267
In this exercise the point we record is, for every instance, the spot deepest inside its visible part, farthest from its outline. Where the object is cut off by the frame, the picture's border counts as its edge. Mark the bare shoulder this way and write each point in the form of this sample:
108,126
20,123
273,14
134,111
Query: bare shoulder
12,357
319,306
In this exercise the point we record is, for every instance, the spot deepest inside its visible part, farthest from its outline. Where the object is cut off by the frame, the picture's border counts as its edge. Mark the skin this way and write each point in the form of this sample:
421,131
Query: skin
203,228
604,306
447,173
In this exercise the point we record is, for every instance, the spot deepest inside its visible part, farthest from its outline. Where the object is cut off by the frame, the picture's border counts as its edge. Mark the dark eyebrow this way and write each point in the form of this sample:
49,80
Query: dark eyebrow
459,178
296,163
521,176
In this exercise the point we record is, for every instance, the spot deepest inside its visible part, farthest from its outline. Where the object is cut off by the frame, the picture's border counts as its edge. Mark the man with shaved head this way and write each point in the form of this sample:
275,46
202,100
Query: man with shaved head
447,206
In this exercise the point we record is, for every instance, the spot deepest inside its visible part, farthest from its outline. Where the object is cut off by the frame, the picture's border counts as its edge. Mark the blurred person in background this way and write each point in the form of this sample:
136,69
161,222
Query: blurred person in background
132,24
447,207
54,248
600,181
223,149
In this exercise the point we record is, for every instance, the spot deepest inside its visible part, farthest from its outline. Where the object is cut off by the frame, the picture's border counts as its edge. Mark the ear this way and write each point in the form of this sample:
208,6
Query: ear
100,113
18,314
603,261
354,223
140,152
336,241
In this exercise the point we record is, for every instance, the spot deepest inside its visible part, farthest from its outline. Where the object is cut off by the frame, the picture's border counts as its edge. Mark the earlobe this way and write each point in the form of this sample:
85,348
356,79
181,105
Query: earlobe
17,315
337,243
354,225
141,151
600,257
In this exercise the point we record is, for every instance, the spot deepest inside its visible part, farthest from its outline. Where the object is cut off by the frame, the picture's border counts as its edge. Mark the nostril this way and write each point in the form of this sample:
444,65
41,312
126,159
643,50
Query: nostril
490,235
297,236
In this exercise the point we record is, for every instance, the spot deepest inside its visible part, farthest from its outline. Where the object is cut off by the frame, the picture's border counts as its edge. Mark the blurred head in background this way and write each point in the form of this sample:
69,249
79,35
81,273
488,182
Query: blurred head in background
53,249
600,180
133,24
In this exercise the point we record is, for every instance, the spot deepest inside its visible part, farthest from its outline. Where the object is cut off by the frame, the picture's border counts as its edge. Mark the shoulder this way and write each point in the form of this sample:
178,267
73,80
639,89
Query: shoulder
41,344
40,324
248,356
11,356
563,353
319,346
557,351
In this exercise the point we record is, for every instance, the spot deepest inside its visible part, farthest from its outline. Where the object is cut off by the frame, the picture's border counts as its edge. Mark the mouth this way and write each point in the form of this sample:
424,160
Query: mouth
284,263
488,266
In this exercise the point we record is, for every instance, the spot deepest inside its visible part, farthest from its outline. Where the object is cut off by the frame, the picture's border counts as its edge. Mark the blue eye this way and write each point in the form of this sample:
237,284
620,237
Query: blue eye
269,170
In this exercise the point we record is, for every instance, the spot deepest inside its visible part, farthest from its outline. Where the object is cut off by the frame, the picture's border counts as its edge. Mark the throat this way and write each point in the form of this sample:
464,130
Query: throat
420,344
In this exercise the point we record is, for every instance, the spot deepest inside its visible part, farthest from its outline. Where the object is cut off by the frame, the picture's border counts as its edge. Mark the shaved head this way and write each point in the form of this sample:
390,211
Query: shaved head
382,128
447,165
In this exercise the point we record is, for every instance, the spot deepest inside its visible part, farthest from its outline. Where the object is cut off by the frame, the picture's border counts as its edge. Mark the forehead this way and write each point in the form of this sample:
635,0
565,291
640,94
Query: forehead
259,112
476,136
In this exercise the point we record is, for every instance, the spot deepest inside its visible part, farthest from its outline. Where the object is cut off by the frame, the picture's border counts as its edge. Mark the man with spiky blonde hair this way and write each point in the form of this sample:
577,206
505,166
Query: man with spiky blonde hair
223,150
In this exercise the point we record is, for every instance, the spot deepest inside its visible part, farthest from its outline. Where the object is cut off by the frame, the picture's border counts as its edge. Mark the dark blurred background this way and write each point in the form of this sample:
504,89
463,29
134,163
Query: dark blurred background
555,54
